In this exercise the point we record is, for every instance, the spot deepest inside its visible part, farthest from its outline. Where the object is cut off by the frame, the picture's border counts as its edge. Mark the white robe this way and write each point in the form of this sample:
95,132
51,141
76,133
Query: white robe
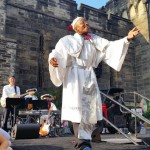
76,58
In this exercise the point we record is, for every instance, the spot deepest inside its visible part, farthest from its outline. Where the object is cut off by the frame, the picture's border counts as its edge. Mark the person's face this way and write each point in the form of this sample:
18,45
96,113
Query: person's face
48,98
82,26
11,81
31,92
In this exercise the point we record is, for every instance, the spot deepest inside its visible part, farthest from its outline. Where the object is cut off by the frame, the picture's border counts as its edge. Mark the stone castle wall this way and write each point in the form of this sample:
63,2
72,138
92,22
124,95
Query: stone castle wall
139,13
7,50
29,22
37,25
7,60
2,17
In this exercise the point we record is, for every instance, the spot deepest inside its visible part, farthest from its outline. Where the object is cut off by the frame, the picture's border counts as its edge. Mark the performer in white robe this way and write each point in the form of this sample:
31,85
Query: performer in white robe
71,63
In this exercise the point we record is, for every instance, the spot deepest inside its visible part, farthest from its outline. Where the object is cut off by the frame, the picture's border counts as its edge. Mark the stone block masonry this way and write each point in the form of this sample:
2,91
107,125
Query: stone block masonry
7,60
35,26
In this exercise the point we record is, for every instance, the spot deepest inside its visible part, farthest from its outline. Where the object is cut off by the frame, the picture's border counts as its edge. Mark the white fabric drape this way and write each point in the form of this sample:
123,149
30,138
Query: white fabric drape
76,59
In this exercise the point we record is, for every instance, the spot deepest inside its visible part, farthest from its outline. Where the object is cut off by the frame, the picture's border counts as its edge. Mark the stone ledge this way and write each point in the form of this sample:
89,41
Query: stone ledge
8,40
36,11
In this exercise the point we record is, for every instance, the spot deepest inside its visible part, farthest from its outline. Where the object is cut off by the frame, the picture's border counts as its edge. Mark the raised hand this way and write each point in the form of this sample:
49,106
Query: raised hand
133,33
54,62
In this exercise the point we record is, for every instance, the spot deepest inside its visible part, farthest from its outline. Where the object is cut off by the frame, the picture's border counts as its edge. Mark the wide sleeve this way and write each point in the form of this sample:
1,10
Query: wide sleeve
114,52
57,73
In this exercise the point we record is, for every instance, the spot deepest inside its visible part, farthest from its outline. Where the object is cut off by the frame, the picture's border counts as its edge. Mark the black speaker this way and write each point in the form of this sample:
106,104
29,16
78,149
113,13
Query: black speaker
25,131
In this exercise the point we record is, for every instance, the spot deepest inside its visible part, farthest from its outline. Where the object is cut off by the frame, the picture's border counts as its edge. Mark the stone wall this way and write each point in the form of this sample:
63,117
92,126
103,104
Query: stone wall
37,25
2,18
139,17
7,60
142,65
28,22
138,12
117,7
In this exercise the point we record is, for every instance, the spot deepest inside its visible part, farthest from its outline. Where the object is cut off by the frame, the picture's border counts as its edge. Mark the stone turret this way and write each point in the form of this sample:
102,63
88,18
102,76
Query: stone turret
135,10
138,12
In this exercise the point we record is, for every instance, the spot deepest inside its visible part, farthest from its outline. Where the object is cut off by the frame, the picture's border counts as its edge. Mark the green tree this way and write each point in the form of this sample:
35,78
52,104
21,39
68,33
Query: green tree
147,113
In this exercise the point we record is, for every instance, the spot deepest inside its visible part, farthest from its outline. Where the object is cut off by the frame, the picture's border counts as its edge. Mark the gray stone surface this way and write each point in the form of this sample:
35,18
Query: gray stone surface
65,143
7,60
26,21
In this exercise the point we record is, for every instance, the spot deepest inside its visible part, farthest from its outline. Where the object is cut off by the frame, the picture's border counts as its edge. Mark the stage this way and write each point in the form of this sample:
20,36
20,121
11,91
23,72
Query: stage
66,143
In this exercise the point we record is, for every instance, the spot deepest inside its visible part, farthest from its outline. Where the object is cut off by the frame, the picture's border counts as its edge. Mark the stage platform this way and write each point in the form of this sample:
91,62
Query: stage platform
66,143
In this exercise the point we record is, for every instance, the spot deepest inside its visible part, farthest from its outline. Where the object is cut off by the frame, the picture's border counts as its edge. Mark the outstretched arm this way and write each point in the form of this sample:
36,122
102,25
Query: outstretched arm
133,33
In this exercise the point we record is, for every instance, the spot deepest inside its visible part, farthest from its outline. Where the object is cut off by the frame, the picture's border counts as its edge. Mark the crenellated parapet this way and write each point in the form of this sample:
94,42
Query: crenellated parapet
63,9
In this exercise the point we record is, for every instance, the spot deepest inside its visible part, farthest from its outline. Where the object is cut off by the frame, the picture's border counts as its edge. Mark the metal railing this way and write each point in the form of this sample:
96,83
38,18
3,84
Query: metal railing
129,138
129,110
136,96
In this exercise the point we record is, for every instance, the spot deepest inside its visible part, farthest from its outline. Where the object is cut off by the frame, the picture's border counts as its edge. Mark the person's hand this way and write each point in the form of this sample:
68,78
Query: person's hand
133,33
53,62
17,96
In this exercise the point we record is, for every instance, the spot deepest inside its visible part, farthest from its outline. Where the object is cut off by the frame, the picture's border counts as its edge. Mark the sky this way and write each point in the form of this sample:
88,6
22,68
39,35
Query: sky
92,3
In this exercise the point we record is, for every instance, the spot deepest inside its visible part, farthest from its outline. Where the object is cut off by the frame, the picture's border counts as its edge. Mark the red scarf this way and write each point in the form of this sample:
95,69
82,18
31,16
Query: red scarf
87,37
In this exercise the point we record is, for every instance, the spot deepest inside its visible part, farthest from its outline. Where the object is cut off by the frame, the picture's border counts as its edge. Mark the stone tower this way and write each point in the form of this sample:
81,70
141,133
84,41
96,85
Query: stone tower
135,10
138,11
